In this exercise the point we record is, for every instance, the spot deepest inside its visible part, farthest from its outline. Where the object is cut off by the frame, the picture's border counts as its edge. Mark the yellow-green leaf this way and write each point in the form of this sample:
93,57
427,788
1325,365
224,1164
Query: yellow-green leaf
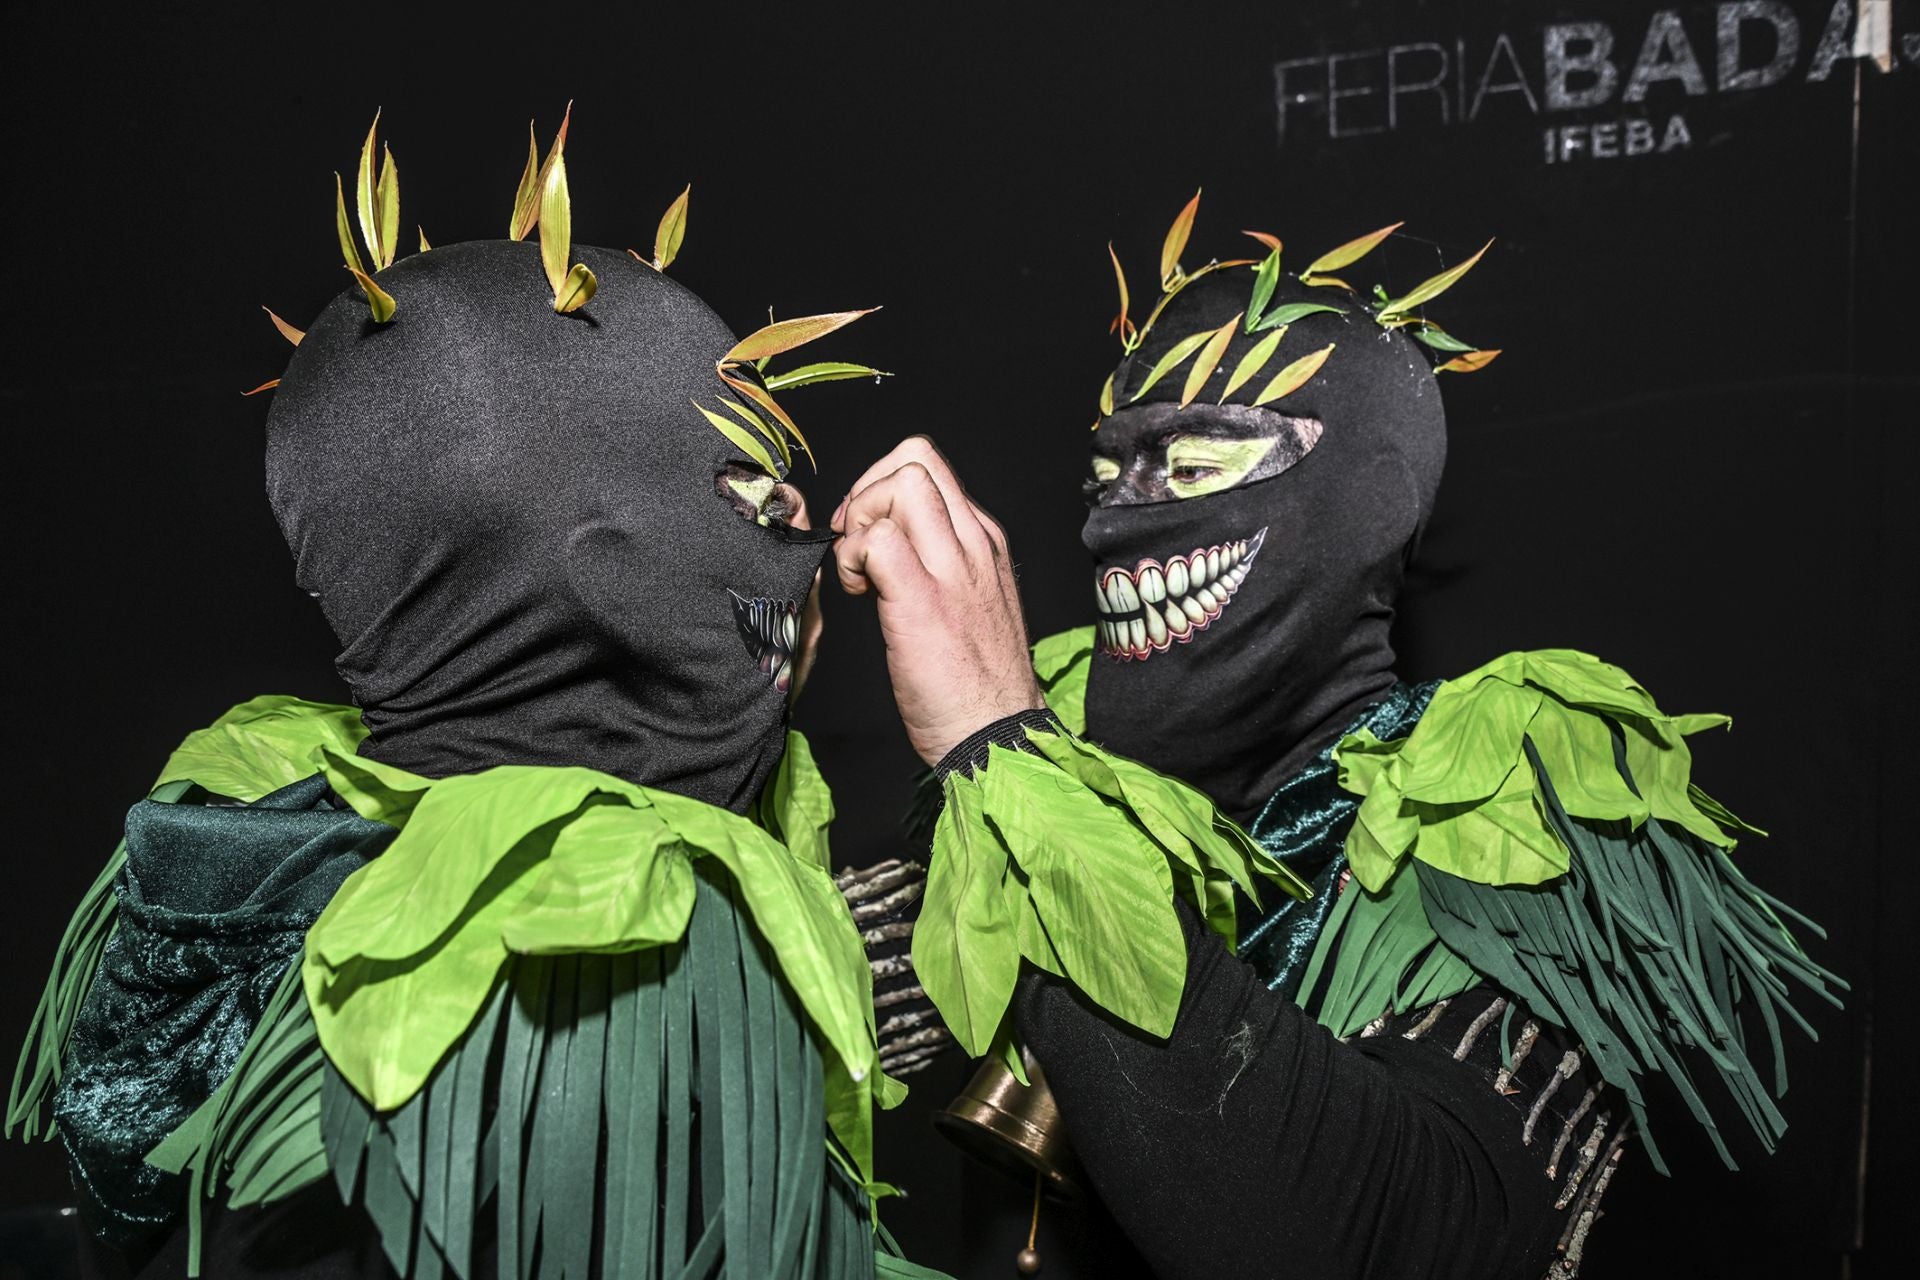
1272,242
387,199
772,406
672,230
1352,251
556,224
1176,242
759,424
1253,362
287,331
1175,354
424,246
379,301
1265,280
1106,399
740,439
1294,376
576,290
526,200
1432,287
540,181
343,228
785,335
1469,362
826,371
1208,360
366,196
268,385
1122,323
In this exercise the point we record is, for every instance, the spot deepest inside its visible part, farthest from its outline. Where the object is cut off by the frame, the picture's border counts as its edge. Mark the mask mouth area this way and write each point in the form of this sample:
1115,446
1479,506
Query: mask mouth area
769,629
1162,603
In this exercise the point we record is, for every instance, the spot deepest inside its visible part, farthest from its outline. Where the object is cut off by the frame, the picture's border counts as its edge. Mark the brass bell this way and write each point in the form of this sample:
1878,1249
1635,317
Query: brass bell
1013,1127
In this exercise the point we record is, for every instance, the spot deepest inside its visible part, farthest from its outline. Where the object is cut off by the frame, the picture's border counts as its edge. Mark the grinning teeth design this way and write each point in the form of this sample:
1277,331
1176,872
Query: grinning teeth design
1162,603
769,628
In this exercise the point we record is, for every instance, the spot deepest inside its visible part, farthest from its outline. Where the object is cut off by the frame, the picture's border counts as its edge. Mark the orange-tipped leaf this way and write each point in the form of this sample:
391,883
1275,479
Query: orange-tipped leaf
772,406
287,331
1350,252
785,335
379,301
1468,362
1176,242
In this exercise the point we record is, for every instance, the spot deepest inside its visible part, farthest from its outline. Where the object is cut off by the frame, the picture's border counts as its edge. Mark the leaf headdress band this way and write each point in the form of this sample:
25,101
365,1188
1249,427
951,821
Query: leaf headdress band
1208,347
542,201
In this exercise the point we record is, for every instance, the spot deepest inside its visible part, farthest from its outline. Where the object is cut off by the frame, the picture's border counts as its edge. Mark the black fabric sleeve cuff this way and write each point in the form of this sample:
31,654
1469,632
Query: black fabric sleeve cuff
1009,732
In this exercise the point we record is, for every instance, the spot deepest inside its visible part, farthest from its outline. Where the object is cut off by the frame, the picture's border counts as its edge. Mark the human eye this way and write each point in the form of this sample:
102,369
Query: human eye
757,496
1198,465
1105,472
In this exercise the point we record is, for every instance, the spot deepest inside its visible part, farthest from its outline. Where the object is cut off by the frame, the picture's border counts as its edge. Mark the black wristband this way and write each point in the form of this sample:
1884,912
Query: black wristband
1009,732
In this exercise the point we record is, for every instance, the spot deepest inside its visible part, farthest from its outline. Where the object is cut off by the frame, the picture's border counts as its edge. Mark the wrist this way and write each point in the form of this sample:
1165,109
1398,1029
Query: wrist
1009,731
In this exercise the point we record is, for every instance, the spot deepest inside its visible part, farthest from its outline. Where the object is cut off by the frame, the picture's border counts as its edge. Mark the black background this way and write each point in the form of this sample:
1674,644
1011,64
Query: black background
1694,458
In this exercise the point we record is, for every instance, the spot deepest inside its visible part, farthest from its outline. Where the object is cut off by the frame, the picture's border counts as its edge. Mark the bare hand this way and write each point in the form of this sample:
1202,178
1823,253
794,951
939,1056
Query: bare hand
949,608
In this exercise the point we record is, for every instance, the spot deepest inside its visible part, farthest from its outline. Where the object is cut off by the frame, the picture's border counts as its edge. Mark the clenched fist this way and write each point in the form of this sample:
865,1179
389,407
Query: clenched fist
949,609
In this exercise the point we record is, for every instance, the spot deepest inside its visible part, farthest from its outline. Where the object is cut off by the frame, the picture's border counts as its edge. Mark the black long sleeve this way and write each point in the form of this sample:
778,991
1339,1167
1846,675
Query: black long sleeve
1254,1143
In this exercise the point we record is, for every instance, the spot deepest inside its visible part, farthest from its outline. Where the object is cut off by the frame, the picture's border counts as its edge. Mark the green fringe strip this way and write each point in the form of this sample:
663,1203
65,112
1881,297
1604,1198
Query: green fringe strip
1379,952
1646,950
571,1120
37,1074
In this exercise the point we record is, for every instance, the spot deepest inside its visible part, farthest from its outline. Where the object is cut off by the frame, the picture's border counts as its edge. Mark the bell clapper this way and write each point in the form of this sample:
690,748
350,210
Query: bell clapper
1027,1261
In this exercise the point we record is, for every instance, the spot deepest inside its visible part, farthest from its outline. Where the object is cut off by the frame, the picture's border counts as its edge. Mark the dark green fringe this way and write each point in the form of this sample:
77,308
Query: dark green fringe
1647,950
37,1074
661,1061
1375,953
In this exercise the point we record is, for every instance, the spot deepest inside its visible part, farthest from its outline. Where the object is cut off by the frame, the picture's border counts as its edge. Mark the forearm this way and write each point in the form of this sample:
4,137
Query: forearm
1252,1142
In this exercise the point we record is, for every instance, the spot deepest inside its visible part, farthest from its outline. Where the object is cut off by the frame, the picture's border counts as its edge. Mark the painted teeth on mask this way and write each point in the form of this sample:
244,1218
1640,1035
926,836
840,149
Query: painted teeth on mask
1160,604
770,630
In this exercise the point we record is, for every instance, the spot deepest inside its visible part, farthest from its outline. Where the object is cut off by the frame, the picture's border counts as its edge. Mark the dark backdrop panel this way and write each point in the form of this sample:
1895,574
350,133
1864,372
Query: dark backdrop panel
1693,459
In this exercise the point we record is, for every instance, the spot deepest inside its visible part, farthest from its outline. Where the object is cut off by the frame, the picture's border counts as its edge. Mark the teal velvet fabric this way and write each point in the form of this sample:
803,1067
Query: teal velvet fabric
213,903
1304,825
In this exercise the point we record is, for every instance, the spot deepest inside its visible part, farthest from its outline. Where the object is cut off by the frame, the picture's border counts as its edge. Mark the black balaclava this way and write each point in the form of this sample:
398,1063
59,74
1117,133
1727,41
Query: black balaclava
1287,639
512,520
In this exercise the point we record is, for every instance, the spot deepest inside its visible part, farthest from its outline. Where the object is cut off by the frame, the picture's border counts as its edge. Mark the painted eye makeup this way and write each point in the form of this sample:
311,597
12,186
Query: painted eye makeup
1199,465
757,496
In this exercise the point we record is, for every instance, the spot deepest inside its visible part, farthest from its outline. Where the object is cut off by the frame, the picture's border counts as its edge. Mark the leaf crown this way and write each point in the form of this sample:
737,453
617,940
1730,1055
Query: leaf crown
759,426
1208,347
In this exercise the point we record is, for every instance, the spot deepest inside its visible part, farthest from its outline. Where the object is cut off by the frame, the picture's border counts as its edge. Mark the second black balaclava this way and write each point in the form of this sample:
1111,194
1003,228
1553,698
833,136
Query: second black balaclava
511,519
1287,638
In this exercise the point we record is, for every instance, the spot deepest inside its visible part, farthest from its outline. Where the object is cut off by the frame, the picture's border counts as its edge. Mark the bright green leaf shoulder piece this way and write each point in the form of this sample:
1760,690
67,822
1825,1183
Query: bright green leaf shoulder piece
1463,792
1539,830
262,745
1061,661
1069,858
537,861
